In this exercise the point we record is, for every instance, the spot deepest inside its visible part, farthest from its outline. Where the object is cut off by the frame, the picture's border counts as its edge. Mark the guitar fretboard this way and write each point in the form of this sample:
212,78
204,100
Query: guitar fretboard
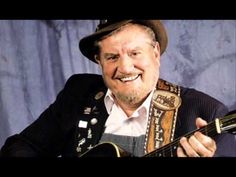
170,150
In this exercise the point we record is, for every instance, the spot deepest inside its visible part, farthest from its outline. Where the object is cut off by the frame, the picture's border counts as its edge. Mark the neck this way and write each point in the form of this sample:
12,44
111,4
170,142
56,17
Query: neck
128,108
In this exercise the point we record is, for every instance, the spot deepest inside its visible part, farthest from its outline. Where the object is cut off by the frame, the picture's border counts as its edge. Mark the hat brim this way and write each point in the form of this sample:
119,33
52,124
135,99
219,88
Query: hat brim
86,44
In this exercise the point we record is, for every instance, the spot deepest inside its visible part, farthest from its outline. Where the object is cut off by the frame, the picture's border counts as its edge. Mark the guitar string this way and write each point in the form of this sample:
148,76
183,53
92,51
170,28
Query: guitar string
210,130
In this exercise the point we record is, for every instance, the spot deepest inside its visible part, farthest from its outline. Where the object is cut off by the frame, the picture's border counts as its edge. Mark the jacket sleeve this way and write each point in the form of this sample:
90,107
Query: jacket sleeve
226,142
47,135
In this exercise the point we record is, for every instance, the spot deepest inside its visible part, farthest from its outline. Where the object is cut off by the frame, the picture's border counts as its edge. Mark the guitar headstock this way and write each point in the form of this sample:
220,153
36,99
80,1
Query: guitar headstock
228,123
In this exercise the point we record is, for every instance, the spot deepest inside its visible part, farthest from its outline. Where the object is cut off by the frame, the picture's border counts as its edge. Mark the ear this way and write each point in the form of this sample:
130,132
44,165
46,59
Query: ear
96,57
157,50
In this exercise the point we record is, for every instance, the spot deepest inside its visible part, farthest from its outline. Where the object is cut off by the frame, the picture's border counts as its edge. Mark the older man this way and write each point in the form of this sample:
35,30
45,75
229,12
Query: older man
128,110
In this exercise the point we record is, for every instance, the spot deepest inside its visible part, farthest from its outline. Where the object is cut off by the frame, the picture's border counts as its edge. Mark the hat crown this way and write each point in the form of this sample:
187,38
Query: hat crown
104,23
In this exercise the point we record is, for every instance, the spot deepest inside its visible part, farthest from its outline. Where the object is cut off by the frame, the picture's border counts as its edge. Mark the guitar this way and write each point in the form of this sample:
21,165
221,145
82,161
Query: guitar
218,126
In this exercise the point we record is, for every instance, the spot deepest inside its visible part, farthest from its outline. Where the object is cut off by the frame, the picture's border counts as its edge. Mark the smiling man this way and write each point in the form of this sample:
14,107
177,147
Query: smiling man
130,60
129,106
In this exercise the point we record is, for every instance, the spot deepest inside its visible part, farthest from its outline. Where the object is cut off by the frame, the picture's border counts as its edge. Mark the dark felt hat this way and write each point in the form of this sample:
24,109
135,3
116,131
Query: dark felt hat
86,44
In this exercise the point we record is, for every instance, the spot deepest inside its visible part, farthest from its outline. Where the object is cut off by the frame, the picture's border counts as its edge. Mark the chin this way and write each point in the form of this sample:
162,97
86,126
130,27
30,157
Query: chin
132,97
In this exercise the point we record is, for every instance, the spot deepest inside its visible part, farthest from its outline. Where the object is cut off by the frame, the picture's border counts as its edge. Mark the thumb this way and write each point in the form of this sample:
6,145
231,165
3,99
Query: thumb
200,122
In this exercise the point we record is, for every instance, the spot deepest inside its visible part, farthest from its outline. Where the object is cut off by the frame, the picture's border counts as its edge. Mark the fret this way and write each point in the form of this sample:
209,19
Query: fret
173,151
163,153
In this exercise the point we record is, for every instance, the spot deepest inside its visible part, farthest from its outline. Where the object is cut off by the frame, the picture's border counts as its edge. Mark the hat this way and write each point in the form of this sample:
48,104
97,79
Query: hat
86,44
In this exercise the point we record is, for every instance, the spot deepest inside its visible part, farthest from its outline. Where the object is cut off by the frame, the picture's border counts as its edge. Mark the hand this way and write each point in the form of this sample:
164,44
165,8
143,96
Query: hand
198,145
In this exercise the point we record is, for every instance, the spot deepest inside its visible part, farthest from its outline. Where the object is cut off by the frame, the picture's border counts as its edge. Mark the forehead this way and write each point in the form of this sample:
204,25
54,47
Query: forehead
130,27
126,35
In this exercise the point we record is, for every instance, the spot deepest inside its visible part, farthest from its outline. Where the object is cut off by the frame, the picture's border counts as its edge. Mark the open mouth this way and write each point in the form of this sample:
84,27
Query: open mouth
130,78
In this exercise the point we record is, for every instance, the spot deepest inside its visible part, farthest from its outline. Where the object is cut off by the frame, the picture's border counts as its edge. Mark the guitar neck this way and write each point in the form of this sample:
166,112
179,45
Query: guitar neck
211,129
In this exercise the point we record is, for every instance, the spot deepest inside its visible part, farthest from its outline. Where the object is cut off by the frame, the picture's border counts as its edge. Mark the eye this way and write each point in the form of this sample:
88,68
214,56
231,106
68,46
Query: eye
111,57
135,53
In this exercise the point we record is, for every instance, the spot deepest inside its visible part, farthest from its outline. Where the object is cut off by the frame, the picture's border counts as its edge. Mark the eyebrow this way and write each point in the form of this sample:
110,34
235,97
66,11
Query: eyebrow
137,48
151,43
106,55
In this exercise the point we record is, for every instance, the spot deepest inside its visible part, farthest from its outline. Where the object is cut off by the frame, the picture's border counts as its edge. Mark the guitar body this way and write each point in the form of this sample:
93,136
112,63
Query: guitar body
106,149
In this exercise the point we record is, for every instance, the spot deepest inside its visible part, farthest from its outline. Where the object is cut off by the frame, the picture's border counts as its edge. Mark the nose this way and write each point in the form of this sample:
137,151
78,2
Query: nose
125,65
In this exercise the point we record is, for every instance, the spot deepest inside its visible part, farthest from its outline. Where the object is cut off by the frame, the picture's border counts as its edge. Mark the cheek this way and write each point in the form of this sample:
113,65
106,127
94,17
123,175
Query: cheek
108,71
151,65
151,71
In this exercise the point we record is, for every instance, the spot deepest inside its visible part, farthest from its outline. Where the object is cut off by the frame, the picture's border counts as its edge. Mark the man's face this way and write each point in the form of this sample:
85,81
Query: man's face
130,63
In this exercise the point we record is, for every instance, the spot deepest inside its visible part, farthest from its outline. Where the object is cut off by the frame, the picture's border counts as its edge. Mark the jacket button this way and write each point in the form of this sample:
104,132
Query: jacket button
93,121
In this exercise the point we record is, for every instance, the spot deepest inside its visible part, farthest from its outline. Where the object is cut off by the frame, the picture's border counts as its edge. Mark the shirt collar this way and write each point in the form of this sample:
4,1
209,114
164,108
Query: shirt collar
109,101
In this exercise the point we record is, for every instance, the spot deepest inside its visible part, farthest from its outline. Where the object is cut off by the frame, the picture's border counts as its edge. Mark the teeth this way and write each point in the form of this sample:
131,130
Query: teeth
125,79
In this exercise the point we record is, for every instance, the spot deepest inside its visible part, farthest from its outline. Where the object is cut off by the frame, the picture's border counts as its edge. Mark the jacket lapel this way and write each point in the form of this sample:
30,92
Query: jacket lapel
90,125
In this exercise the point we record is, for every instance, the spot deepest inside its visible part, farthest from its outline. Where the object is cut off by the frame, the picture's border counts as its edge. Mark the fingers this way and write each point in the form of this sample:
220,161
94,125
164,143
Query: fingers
202,144
188,149
198,145
180,152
